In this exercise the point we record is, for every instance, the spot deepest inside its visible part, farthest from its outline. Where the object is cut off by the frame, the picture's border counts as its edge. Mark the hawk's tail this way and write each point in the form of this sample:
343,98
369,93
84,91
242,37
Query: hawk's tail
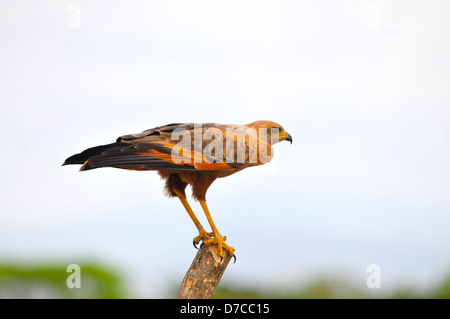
82,157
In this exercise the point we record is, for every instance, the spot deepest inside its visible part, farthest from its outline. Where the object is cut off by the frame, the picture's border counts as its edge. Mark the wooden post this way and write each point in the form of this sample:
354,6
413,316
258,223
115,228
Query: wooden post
202,278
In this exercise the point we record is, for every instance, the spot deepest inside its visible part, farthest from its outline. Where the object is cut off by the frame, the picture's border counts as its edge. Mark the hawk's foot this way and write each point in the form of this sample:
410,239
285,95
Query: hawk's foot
220,242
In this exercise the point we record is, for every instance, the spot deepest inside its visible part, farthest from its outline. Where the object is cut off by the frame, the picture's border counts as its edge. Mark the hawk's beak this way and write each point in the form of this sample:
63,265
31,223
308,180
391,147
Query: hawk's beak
285,136
289,138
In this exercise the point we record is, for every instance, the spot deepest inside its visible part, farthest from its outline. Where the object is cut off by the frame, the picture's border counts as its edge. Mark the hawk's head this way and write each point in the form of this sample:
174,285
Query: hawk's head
275,132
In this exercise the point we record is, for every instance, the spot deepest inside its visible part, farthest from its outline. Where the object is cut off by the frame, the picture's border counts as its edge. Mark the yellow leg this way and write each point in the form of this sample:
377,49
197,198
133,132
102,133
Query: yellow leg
202,234
217,239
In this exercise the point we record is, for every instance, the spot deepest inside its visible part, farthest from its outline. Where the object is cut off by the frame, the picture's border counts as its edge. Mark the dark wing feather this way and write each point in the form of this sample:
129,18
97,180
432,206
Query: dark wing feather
136,157
142,151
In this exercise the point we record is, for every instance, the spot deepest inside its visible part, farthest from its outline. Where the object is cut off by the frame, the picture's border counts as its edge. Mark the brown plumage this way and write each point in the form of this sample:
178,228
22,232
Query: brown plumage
189,154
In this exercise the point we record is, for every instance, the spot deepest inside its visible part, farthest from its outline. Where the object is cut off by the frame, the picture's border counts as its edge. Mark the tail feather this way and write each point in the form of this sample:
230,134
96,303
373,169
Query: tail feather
82,157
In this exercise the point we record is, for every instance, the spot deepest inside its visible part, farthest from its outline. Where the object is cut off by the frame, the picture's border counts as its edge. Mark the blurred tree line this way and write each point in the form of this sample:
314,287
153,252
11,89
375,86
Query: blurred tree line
100,282
50,281
332,289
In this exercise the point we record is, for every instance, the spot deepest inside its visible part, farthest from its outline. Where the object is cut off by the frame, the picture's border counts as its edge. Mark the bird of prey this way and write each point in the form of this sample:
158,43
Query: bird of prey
190,153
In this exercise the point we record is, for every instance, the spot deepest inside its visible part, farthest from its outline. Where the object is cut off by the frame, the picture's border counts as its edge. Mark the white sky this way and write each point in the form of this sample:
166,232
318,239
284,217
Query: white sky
362,86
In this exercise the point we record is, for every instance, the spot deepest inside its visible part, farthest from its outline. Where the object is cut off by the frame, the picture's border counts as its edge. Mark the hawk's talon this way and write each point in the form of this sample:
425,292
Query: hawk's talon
202,236
234,258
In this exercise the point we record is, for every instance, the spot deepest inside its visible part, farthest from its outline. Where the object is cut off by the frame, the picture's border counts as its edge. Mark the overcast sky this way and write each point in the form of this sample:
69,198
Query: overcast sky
362,86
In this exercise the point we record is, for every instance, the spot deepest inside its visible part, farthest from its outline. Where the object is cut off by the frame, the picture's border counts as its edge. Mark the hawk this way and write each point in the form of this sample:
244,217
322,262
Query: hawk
190,154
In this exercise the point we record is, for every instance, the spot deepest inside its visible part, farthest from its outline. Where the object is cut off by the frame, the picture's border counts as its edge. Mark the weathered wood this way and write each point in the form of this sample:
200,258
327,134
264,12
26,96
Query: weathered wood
202,278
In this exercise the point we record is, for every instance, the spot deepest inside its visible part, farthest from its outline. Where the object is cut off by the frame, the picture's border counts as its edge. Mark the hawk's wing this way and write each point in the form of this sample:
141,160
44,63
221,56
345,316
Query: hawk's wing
180,147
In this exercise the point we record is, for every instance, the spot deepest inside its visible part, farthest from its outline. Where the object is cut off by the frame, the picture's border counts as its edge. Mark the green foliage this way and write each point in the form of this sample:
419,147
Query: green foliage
320,289
332,289
49,281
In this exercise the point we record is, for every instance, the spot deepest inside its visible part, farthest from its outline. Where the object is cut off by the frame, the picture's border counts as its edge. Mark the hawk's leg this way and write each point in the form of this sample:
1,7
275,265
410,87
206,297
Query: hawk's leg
218,239
202,234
